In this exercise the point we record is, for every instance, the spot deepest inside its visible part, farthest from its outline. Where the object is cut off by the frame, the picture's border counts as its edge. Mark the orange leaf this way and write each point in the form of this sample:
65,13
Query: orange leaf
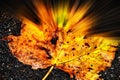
61,42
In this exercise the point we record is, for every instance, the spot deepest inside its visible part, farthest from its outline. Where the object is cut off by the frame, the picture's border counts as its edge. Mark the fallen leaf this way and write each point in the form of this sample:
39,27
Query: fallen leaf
60,41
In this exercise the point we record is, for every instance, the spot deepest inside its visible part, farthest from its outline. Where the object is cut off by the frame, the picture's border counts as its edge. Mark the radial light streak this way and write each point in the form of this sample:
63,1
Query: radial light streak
62,41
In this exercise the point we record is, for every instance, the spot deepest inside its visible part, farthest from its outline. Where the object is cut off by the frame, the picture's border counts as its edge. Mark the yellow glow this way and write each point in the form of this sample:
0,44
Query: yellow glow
73,53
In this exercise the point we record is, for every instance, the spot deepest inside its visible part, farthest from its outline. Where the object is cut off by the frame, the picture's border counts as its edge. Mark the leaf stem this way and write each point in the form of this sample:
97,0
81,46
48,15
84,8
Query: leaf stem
51,68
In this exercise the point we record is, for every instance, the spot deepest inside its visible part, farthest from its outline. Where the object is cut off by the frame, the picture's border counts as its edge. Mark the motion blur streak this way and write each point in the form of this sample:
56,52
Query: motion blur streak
77,36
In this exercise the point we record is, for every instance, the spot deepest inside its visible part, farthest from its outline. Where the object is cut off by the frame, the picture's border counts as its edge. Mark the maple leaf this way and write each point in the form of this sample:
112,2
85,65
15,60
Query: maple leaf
60,41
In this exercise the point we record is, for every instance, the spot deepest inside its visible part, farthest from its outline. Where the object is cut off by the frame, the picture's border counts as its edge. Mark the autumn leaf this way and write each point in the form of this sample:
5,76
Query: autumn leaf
61,40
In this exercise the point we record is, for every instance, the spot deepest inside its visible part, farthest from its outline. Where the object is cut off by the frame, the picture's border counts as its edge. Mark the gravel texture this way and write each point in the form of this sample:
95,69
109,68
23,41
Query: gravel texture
113,73
12,69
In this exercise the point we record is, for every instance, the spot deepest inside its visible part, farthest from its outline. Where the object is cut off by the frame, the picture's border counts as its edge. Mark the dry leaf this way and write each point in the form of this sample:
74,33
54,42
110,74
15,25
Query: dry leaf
60,41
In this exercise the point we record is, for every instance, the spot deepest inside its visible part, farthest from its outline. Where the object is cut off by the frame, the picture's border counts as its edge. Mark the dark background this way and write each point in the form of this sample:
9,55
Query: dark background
12,69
